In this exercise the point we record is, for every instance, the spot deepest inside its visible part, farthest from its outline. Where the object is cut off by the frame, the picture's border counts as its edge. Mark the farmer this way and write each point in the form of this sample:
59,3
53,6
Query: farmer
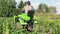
29,11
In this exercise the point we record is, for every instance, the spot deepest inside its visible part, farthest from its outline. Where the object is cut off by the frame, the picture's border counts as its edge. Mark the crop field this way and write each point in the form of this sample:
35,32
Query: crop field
47,24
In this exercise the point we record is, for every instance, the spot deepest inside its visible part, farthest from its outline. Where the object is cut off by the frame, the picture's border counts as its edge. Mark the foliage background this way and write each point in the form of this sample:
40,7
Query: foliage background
48,21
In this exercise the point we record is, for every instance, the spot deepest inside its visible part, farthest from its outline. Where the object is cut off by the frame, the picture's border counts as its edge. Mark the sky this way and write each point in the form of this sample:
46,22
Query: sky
35,3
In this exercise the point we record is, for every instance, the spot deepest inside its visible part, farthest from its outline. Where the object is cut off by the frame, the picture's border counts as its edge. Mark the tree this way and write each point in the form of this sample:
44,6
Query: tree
52,9
43,8
7,7
21,5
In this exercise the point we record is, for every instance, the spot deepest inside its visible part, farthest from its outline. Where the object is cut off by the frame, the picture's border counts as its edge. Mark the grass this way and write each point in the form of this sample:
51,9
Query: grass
45,25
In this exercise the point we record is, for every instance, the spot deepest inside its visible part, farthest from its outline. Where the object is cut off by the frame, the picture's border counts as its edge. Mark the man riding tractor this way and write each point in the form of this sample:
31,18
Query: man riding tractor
27,18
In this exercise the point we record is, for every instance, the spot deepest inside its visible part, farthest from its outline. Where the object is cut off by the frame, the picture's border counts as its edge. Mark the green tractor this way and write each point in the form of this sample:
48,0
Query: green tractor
23,18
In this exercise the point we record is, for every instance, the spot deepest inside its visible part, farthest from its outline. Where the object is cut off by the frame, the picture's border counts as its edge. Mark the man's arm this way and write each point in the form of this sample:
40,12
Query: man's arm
23,10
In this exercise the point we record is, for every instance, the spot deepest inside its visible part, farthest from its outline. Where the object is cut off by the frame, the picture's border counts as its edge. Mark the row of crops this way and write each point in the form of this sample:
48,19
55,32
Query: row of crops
45,25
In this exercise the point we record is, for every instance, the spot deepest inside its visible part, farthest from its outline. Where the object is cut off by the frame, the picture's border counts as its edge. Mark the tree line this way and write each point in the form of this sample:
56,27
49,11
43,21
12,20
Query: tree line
8,8
46,9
